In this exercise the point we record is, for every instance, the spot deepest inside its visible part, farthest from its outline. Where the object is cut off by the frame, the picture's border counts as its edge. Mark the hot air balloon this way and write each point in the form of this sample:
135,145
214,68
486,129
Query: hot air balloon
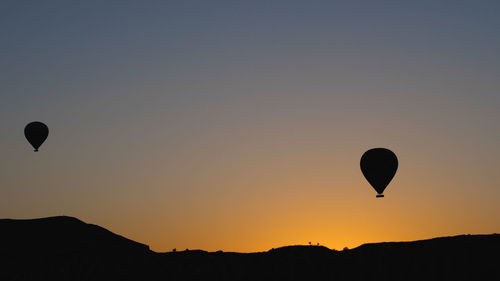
36,133
379,165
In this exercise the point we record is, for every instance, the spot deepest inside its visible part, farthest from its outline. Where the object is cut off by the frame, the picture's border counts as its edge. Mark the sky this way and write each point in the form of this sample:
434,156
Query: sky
239,125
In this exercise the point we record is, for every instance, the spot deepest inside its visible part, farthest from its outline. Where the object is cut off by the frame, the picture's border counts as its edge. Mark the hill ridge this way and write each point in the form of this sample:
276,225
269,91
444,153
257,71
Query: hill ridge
66,248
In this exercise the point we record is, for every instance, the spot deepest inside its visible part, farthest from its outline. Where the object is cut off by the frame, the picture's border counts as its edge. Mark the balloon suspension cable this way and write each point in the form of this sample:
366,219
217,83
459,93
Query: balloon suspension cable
380,195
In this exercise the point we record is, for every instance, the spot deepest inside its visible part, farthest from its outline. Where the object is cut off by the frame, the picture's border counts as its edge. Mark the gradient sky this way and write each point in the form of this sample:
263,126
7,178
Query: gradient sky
239,125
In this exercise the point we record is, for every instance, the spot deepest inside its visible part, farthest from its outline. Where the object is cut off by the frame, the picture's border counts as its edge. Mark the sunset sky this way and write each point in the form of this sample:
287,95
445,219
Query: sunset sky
239,125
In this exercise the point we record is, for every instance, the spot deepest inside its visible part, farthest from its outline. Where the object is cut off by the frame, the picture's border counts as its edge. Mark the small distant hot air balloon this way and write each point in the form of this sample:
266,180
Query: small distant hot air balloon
36,133
379,165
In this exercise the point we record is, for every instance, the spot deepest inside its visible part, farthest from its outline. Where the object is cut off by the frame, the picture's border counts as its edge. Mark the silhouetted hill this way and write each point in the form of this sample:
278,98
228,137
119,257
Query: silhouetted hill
65,248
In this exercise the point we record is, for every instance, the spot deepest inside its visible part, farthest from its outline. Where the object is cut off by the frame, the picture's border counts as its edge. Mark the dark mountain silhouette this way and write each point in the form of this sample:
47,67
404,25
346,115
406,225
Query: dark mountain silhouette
65,248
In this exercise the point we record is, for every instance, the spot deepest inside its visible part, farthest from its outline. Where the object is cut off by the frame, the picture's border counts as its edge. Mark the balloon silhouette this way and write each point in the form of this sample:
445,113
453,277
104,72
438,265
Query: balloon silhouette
379,165
36,133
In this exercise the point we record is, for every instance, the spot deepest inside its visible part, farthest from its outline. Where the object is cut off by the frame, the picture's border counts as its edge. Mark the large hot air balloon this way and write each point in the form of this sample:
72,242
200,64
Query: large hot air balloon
36,133
379,165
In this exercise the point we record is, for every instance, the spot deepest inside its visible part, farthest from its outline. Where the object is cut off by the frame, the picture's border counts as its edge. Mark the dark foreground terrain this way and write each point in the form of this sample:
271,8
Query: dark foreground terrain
65,248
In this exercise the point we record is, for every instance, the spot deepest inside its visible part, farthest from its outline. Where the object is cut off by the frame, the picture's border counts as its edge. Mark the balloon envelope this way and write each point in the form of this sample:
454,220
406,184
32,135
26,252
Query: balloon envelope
36,133
379,165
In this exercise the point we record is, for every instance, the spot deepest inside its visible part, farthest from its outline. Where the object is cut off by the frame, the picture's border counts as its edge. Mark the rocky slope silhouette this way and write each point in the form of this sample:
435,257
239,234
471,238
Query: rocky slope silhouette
65,248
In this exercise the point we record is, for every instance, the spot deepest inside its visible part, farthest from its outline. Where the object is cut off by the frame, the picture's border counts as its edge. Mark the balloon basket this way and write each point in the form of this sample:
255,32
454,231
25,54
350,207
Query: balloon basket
380,195
36,150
